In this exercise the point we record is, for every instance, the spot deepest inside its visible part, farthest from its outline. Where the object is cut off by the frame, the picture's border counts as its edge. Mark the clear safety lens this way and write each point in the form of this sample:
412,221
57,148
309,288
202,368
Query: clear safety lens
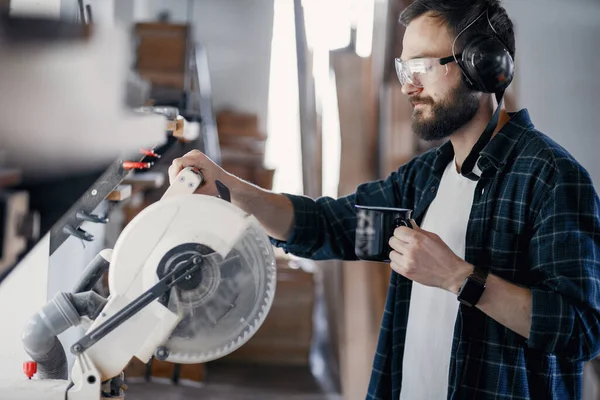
419,71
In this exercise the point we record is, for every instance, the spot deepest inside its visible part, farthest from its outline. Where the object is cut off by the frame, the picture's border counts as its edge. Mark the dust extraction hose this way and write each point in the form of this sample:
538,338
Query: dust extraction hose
40,334
62,312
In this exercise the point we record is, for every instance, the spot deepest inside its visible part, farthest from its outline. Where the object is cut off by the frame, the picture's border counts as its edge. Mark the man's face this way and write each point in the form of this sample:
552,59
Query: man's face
442,102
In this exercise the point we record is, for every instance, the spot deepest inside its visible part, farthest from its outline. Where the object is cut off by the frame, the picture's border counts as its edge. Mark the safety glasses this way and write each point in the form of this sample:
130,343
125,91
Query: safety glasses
422,71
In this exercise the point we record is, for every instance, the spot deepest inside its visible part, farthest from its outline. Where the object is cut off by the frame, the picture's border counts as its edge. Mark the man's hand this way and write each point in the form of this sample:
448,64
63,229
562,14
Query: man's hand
211,172
423,257
275,212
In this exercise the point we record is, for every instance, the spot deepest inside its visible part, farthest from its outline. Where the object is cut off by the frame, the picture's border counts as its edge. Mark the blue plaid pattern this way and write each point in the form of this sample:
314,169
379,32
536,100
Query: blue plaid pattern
534,222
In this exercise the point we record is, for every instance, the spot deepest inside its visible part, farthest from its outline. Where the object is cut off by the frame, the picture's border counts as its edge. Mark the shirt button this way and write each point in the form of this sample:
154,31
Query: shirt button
432,189
482,191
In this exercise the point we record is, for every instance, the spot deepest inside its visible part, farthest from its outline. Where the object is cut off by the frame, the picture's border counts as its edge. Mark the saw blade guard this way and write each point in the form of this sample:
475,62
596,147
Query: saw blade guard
221,305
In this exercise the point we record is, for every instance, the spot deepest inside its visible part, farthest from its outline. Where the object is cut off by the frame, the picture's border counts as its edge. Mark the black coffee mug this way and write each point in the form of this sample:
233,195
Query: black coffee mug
374,228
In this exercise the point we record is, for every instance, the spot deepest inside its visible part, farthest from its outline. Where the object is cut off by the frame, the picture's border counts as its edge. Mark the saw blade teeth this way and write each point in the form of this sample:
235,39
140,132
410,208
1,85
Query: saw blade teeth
257,253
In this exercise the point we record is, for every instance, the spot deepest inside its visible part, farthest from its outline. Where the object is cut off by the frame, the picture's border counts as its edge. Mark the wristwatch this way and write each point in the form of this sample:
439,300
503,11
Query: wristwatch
472,288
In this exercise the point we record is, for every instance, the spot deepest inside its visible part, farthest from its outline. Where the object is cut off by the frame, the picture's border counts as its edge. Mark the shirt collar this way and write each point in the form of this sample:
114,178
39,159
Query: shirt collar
497,151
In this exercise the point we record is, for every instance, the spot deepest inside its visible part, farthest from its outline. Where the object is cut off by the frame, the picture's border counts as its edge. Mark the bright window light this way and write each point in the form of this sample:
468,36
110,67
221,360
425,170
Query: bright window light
283,150
364,27
328,23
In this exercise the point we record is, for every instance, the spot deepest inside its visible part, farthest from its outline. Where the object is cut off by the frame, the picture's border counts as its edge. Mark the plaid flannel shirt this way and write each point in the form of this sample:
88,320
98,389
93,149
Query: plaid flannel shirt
534,222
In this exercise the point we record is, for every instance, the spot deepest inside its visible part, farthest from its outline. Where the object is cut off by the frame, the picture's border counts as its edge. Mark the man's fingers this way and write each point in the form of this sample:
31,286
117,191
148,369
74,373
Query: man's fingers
192,153
397,244
174,169
396,258
417,228
405,234
192,158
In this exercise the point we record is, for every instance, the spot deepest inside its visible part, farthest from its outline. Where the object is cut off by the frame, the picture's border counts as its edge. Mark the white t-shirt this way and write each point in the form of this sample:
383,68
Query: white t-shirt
433,311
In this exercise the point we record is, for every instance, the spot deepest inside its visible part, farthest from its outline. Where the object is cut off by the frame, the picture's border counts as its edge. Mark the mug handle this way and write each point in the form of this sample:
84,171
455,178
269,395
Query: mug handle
402,222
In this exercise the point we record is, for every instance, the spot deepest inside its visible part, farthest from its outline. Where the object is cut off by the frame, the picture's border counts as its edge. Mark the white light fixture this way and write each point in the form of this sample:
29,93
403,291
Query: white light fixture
35,8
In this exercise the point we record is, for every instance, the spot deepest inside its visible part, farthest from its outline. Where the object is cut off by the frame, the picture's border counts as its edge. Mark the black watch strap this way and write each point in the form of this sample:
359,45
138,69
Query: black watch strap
473,287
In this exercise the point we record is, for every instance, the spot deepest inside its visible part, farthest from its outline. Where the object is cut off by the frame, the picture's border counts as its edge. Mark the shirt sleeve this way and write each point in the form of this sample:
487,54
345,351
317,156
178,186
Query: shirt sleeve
324,228
565,252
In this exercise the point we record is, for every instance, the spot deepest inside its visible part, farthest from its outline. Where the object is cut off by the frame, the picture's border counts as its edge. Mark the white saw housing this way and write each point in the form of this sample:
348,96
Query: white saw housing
215,312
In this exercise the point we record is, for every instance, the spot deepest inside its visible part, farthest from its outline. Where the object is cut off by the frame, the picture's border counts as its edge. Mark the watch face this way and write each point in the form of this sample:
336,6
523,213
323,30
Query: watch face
470,292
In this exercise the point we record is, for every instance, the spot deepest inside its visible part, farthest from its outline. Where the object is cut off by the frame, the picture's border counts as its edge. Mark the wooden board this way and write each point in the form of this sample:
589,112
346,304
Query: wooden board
9,177
162,47
135,370
285,336
122,192
233,123
145,181
399,143
363,299
192,372
162,370
173,79
13,243
177,127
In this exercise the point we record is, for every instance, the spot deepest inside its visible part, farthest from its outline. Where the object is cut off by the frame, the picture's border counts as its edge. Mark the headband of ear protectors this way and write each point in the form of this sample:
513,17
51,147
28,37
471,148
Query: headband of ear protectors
487,67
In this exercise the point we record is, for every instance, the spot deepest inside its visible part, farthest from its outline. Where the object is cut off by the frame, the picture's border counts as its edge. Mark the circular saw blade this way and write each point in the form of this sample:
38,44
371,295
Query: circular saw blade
225,304
222,304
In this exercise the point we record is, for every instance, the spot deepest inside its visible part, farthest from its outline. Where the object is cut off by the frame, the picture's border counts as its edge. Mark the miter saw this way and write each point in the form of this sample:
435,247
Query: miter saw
191,279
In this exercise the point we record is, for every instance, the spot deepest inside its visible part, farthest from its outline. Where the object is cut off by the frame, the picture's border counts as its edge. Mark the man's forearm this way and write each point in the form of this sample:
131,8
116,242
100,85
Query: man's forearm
275,212
506,303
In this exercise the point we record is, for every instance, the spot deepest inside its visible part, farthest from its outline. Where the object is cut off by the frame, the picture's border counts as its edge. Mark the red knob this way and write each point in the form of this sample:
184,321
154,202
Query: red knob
30,368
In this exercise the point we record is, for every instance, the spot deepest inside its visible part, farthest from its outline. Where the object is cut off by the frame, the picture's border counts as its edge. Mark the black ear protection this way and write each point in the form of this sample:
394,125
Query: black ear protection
487,67
485,62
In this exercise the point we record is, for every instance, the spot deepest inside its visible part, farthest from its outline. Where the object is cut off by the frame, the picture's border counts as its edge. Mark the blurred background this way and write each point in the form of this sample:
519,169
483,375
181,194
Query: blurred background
296,96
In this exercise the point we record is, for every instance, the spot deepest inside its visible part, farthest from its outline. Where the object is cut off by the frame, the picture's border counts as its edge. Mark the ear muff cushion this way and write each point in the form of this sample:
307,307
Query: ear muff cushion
487,64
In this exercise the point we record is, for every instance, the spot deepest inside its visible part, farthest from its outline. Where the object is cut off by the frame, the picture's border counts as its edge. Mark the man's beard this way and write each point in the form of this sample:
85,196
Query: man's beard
447,116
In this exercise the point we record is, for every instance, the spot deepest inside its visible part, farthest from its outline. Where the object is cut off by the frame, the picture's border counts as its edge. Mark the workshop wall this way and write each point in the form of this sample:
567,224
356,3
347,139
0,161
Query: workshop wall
556,71
236,33
103,11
